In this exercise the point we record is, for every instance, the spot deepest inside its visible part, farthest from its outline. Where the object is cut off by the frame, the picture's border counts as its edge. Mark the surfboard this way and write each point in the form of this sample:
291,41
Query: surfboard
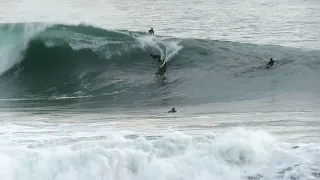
163,64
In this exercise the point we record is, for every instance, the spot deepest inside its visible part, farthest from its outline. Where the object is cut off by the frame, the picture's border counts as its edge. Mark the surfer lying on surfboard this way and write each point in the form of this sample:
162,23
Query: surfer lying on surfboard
163,65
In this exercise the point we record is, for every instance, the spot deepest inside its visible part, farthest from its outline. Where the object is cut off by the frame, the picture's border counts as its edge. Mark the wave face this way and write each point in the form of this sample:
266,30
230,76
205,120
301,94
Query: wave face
95,66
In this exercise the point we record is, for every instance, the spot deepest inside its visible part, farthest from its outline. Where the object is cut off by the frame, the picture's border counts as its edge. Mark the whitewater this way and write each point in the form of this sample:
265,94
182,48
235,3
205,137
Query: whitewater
79,98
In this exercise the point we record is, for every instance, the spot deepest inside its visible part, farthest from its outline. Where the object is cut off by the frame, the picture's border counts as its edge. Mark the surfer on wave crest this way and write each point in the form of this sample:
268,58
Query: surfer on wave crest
151,31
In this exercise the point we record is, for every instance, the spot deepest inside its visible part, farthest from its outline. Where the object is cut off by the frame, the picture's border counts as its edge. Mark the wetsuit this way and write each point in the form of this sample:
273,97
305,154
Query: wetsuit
162,69
270,63
173,110
156,57
151,31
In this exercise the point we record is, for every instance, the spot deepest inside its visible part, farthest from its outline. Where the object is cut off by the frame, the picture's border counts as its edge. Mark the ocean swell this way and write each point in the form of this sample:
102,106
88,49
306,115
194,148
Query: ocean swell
66,61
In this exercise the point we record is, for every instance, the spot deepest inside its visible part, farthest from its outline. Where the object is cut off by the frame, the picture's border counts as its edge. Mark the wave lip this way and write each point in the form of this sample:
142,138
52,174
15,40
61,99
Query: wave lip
14,40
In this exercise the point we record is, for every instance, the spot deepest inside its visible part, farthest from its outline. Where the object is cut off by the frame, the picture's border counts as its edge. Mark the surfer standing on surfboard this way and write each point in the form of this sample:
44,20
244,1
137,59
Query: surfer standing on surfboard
163,65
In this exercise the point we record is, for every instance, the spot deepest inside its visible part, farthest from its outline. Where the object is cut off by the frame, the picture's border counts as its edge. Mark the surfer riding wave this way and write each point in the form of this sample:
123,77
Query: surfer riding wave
163,65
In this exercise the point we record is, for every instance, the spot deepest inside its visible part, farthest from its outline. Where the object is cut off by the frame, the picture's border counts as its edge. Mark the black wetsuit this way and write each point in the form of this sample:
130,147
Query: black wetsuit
162,69
173,110
156,57
270,63
151,31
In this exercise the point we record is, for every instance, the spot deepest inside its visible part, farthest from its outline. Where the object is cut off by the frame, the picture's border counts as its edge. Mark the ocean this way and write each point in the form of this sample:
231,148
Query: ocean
80,100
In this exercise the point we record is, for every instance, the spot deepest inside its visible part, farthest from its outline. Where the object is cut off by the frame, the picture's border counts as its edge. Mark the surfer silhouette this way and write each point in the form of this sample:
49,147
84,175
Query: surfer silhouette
270,63
163,65
151,31
156,57
173,110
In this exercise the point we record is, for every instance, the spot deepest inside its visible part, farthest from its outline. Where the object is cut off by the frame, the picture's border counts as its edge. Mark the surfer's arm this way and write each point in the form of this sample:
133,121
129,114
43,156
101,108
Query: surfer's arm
155,57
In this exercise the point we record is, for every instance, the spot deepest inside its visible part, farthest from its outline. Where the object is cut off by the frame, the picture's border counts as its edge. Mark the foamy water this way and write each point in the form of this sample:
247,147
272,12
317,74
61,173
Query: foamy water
43,149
